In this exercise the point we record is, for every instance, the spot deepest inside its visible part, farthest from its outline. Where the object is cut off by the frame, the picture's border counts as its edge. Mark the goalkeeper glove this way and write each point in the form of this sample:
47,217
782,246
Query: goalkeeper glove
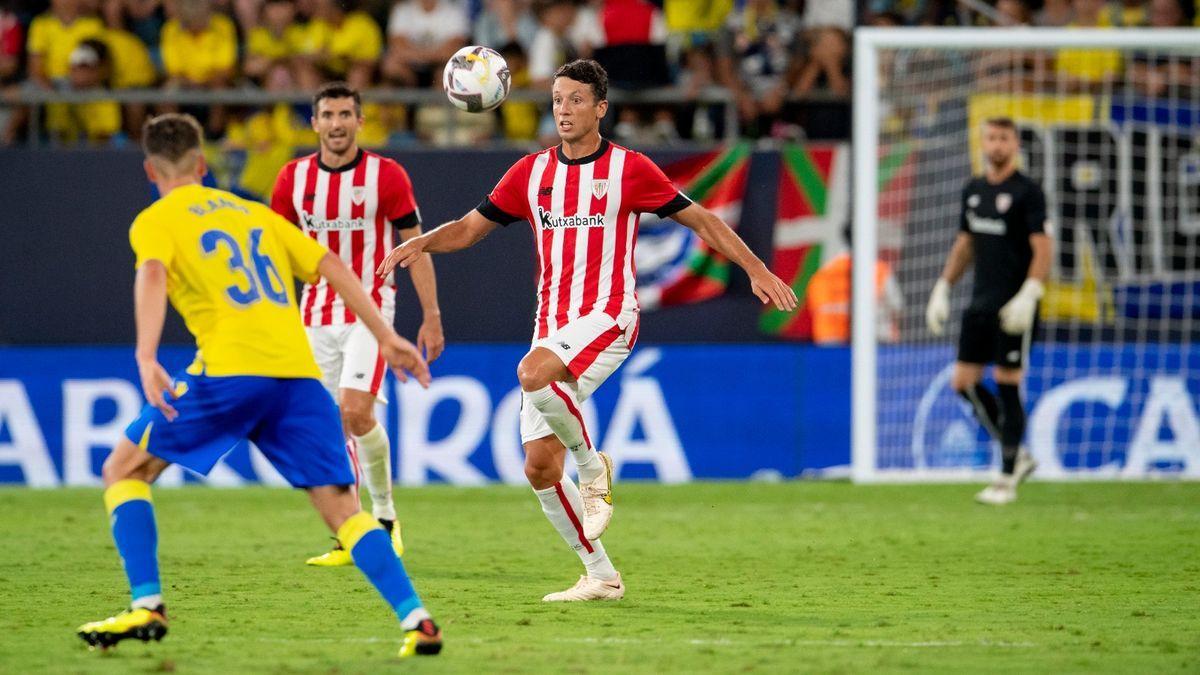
938,309
1016,316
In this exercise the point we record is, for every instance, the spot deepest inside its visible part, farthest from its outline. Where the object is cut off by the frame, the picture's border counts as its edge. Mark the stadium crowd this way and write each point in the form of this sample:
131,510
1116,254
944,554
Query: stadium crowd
770,54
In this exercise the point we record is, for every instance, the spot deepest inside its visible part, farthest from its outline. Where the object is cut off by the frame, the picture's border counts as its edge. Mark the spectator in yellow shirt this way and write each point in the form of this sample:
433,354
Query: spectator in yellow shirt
519,118
276,41
1089,69
95,122
341,42
269,138
696,21
53,35
199,48
199,51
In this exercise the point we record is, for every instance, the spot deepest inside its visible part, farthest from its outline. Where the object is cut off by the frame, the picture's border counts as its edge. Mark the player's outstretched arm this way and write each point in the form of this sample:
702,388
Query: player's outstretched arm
150,311
452,236
430,338
768,287
400,354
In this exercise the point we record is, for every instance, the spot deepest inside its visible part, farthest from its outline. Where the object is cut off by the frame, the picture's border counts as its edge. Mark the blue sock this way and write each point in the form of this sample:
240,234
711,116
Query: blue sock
371,548
132,516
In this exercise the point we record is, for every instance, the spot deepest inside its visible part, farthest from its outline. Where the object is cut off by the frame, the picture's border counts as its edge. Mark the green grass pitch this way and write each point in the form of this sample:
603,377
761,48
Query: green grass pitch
724,577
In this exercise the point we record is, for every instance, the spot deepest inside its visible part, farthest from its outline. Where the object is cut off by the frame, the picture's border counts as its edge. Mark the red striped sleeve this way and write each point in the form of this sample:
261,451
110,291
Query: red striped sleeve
281,196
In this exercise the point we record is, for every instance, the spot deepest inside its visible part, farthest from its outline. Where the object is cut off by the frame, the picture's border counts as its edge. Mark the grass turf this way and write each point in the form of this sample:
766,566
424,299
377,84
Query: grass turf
825,577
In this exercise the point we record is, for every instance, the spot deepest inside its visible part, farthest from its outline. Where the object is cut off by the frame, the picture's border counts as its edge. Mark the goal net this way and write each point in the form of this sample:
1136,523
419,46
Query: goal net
1109,122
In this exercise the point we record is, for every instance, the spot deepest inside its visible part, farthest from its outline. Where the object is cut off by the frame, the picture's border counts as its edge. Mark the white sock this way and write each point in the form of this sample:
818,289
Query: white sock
563,506
147,602
558,405
414,619
375,456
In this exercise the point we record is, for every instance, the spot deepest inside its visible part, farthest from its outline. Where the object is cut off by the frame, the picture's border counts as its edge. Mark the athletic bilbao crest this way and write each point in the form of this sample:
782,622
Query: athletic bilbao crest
599,188
1003,201
358,194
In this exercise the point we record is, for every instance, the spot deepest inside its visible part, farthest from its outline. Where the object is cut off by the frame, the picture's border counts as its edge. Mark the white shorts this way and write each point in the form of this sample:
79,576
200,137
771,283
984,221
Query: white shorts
348,356
592,347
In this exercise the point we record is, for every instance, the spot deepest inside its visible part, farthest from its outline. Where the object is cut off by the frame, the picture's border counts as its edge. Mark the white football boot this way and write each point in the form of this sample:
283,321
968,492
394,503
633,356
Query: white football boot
590,589
1025,465
597,501
1002,491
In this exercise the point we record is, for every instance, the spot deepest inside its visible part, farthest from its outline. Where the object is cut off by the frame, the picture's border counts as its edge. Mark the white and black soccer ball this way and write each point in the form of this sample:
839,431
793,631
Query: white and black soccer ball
476,79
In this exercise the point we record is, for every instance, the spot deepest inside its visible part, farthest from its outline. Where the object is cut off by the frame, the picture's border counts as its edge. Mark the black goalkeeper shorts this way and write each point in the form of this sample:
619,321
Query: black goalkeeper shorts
983,341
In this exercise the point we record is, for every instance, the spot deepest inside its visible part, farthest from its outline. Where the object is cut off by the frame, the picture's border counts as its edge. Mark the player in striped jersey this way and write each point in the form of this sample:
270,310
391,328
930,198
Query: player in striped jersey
583,199
350,200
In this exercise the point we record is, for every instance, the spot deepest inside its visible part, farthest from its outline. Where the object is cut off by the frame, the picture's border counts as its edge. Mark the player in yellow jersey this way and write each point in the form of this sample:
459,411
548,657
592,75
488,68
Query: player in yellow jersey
226,264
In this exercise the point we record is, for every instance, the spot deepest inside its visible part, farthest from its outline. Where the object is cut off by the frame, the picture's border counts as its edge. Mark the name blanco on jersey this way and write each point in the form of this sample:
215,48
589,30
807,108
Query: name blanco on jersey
553,222
985,225
316,224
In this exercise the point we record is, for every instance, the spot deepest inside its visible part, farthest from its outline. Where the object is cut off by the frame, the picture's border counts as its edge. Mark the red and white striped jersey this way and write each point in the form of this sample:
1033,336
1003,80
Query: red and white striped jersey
353,211
584,214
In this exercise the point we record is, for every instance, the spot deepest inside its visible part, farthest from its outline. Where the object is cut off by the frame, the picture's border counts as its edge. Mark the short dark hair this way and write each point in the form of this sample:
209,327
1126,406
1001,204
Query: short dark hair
337,90
171,136
587,71
1002,122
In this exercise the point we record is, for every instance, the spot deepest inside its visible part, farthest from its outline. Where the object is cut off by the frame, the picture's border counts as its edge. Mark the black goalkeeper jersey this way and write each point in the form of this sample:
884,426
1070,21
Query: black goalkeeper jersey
1000,219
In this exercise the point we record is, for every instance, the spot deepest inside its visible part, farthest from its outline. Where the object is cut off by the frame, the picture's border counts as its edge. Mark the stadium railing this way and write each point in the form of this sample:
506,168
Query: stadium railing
33,98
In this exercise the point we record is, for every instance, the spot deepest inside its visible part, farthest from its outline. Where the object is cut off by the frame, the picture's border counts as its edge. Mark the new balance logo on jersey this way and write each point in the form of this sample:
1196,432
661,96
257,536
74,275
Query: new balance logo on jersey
546,191
315,224
553,222
985,225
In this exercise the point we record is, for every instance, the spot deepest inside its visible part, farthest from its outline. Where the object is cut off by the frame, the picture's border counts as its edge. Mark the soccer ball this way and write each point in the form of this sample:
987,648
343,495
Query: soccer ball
476,79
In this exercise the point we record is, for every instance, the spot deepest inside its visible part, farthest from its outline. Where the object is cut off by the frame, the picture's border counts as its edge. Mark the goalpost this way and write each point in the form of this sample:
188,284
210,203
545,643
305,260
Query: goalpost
1109,122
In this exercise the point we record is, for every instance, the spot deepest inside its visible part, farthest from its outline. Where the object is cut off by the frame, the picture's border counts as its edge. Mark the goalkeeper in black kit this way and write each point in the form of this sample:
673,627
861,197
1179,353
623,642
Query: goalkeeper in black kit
1005,232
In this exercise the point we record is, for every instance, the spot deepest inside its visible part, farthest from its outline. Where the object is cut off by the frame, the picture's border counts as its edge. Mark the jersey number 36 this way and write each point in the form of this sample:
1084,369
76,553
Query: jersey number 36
262,280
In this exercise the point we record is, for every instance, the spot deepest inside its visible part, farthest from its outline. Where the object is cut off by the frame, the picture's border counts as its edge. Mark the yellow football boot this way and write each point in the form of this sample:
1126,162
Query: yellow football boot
141,624
424,640
335,557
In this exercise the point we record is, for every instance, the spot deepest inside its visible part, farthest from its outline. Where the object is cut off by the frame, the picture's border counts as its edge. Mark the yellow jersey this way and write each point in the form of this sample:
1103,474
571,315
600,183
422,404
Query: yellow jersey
197,57
262,42
270,138
230,264
54,40
95,121
357,39
1089,65
131,64
696,16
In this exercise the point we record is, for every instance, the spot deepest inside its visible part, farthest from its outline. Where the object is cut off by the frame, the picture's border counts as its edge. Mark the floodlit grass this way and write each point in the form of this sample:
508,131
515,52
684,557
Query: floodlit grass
724,577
